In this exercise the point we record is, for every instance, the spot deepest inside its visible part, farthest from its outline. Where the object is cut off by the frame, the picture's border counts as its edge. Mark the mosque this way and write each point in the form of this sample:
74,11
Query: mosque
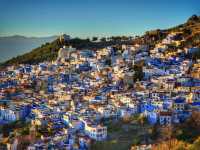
65,53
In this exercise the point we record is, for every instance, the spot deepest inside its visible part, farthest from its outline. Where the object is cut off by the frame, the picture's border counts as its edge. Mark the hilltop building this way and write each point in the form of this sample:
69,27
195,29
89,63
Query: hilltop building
65,53
64,38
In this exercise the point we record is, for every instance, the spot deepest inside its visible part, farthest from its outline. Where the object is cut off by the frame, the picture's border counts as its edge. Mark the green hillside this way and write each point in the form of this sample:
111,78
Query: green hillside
190,32
48,51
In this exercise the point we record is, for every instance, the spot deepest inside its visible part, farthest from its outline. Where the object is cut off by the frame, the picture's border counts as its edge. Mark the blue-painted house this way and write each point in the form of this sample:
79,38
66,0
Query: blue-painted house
152,117
195,105
43,66
84,67
167,104
28,69
149,111
179,104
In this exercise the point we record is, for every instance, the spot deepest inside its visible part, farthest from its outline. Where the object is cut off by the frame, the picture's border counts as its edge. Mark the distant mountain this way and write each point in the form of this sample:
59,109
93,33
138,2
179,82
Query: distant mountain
17,45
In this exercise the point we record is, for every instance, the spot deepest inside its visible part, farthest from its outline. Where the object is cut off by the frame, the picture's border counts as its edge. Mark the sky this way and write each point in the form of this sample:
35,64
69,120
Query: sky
87,18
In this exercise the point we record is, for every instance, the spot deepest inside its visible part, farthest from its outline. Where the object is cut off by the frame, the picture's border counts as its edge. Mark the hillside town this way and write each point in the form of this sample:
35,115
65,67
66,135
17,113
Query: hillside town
69,100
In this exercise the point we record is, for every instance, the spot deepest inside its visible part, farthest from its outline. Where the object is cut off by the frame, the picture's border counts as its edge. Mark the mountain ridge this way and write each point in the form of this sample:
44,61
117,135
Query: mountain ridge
27,37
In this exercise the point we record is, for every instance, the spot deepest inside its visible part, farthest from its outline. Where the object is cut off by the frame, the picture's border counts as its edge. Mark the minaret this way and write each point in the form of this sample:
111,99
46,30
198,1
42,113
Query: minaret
133,62
61,38
72,105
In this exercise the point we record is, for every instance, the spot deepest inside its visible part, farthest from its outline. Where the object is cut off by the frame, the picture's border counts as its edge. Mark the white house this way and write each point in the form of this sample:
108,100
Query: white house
8,115
96,132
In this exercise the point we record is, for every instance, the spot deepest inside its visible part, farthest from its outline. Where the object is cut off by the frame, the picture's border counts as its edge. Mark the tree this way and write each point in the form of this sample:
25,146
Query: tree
43,86
194,121
103,39
155,132
195,145
108,61
94,38
167,132
172,144
23,144
193,18
25,130
88,39
142,120
138,72
190,129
